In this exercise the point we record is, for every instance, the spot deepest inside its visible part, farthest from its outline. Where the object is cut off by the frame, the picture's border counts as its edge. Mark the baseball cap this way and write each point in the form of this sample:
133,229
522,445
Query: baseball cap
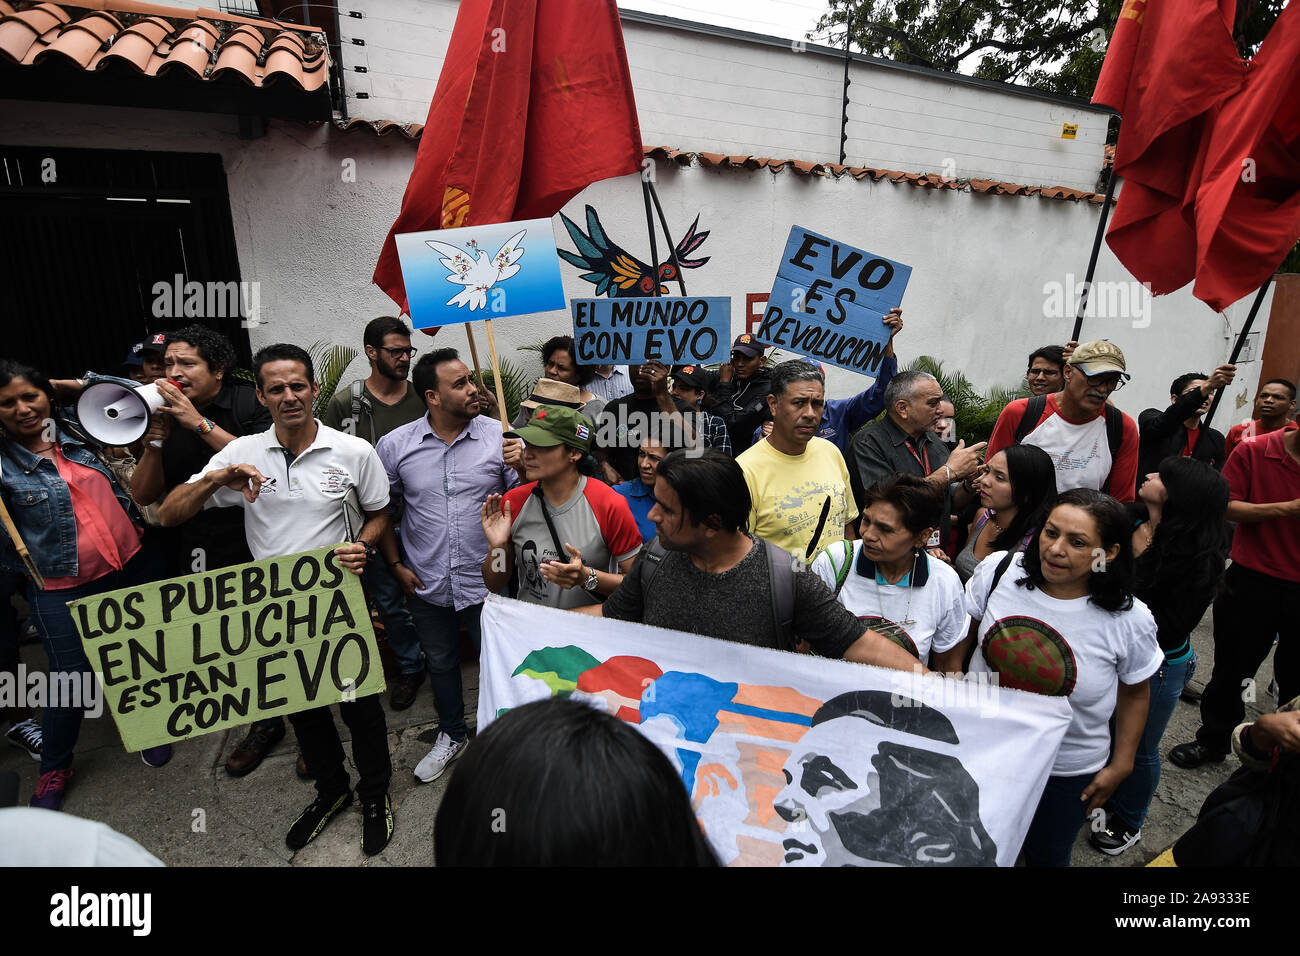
548,391
154,343
1099,358
746,344
552,425
692,376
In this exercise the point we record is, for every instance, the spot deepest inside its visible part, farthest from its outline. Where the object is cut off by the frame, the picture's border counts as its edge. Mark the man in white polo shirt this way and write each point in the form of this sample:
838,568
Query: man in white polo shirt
297,482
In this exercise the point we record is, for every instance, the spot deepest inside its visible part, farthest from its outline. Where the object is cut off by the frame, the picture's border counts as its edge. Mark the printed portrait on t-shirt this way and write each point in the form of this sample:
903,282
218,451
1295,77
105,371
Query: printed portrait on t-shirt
531,575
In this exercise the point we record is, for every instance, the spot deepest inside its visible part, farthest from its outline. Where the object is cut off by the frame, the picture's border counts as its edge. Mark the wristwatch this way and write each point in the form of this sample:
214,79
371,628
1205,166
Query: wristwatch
591,582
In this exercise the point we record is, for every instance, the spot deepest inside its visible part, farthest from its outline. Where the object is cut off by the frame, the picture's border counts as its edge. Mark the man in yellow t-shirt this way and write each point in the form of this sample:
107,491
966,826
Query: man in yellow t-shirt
798,482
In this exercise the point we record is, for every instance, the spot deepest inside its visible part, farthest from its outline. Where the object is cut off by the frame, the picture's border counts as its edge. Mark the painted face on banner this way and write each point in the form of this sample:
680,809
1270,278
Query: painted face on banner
866,794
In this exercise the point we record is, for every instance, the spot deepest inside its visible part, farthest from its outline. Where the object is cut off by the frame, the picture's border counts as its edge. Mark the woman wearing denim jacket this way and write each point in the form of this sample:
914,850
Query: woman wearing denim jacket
83,533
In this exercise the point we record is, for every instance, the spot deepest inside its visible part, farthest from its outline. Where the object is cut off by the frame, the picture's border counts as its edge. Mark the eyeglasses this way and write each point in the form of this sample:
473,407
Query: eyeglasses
398,353
1110,384
1045,372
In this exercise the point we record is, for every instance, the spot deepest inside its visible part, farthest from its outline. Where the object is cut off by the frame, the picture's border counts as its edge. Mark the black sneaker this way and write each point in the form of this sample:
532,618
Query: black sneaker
1116,838
314,819
1191,755
376,825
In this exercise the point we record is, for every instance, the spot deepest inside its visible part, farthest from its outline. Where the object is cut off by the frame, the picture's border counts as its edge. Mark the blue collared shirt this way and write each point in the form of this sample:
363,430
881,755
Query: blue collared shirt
640,499
443,487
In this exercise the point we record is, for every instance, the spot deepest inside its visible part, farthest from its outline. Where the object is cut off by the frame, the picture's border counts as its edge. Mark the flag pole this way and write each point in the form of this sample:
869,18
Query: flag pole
20,546
1240,344
650,228
496,373
1096,249
672,247
473,352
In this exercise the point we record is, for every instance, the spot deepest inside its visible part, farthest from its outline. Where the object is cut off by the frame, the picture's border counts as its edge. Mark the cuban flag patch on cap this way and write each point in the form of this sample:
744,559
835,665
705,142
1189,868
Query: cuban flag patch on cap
582,431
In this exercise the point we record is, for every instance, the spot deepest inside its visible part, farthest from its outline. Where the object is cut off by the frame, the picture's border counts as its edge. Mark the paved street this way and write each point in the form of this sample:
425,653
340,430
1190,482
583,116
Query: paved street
243,821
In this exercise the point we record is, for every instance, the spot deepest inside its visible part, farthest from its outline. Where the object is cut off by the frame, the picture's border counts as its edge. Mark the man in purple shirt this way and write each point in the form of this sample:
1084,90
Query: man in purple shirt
443,466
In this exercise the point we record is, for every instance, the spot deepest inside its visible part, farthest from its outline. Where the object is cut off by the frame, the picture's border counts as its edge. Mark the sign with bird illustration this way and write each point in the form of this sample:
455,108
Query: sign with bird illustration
617,273
480,272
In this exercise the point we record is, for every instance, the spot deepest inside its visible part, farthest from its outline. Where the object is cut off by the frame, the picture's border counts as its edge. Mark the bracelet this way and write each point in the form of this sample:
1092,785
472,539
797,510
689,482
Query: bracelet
949,471
393,564
205,426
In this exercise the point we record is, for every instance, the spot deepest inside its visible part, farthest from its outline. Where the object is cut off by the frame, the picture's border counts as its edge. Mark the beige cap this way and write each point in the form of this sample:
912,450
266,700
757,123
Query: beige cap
1099,358
548,391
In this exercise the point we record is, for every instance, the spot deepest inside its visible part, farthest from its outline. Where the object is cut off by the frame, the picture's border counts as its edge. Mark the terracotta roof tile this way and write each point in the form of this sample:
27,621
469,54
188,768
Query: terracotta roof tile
411,131
158,40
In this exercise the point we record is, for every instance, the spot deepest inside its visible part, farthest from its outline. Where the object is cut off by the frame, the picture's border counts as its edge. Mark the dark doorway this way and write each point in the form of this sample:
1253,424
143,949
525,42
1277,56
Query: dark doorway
86,236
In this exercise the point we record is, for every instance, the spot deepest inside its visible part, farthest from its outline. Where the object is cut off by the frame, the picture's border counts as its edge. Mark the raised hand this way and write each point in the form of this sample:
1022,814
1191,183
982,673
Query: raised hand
496,521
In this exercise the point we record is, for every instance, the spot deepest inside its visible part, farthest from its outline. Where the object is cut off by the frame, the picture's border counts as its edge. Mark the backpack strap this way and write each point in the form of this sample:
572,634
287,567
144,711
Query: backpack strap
844,551
359,404
780,569
647,565
1034,409
1000,570
1114,435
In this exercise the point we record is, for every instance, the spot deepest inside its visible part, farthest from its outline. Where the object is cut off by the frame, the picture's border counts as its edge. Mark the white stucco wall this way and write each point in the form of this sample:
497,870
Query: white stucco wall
975,299
701,91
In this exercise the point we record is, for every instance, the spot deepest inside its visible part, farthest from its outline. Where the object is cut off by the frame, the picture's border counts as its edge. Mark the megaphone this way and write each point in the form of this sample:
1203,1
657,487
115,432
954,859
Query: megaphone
115,413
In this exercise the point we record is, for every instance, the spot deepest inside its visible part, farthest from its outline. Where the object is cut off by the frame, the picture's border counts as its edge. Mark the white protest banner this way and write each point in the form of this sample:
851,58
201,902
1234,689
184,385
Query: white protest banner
792,759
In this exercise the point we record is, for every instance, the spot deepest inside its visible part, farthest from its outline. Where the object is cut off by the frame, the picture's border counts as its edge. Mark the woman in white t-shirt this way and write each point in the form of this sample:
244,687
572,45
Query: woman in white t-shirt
888,580
1062,620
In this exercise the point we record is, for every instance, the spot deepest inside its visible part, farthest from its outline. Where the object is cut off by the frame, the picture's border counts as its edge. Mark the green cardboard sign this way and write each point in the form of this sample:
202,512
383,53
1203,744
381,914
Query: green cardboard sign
191,655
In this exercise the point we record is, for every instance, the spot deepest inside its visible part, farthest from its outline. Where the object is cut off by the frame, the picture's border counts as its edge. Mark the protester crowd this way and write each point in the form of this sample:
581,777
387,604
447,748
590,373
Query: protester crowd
742,503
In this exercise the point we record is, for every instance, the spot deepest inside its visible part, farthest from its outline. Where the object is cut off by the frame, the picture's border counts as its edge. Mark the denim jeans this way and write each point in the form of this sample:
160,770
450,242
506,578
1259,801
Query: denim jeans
1133,796
398,626
440,635
53,620
1057,821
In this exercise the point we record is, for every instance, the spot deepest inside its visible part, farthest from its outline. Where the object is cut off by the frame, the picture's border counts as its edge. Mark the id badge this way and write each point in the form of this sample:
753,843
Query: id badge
934,540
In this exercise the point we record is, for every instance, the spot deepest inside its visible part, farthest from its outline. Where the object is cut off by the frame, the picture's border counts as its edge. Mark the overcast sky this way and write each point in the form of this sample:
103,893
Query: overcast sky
791,19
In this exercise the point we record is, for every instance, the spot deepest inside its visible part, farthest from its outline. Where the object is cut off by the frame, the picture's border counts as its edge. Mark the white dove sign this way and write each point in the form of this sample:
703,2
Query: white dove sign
455,275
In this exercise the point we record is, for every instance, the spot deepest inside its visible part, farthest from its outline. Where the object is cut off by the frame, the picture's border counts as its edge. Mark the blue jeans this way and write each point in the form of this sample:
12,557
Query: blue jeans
60,725
1057,821
398,626
1132,798
440,635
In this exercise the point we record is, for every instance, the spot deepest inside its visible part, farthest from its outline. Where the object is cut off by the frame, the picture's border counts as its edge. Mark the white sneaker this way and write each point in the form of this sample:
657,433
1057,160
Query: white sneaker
444,751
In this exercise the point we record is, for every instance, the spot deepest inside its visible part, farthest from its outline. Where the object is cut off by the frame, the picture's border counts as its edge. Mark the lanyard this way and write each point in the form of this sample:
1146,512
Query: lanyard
924,451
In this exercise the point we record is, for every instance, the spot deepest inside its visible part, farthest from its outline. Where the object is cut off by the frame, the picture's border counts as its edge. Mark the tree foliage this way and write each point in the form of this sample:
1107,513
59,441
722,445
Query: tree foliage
1045,44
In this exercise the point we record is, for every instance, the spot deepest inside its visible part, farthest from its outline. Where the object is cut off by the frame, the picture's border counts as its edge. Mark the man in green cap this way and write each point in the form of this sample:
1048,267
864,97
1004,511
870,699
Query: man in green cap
561,530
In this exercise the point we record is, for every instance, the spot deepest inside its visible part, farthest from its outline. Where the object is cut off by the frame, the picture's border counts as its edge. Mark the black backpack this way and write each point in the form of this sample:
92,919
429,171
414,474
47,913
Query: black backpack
1114,426
1250,819
780,570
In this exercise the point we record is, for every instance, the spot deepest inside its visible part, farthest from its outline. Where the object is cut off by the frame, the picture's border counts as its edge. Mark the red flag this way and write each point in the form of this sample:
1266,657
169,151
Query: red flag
1168,66
1248,201
534,104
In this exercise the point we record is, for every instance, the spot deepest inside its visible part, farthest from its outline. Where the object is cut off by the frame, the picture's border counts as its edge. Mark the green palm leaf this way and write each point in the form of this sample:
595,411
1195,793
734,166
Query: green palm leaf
330,362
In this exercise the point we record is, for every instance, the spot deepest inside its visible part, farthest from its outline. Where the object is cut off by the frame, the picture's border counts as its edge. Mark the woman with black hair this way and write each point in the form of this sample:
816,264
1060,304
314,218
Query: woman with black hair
559,783
83,533
560,364
1015,488
1179,539
1060,619
888,579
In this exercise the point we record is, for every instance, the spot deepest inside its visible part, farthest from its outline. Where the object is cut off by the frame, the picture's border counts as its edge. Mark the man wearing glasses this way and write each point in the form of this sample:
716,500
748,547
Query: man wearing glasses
1046,371
370,408
1092,443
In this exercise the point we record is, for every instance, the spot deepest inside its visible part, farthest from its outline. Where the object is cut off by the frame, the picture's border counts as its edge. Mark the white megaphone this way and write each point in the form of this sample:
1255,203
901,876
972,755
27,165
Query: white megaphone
117,413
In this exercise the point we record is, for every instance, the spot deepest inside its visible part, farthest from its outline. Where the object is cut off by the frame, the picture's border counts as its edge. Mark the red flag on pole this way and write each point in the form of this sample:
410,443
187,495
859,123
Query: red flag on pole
1248,200
1169,64
534,103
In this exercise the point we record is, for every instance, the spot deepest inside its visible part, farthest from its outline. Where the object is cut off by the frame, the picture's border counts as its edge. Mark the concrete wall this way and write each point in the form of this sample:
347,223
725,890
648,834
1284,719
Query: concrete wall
747,95
976,298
